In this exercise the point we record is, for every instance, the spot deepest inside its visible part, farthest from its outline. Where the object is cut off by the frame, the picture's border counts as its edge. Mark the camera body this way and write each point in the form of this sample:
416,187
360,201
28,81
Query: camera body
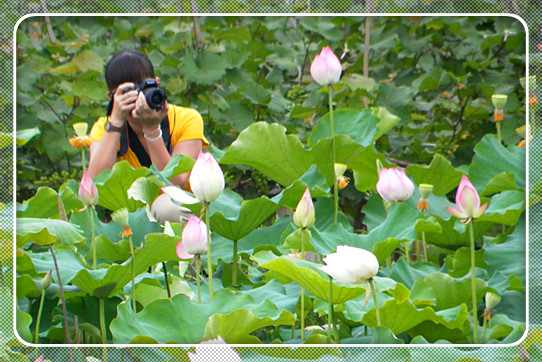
154,95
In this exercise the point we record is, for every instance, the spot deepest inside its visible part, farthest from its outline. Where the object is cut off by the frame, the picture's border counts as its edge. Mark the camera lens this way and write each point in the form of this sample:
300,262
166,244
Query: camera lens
156,98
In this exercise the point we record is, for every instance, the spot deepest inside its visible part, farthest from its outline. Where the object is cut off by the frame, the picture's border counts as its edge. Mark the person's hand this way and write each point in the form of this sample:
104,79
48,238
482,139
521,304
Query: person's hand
150,118
123,104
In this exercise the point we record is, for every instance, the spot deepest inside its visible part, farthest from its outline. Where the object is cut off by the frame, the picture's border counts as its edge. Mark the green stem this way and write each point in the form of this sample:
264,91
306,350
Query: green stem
234,271
330,313
62,299
209,263
302,291
484,325
334,155
418,251
498,124
102,320
407,252
373,290
424,247
133,275
38,320
473,283
93,230
197,277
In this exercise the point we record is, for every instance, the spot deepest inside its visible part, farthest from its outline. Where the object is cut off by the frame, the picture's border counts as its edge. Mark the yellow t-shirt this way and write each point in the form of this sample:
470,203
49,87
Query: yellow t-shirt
184,124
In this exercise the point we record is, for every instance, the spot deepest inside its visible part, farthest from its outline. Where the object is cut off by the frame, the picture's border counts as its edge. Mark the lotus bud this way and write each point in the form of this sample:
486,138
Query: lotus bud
193,239
492,300
304,212
326,68
47,279
394,185
350,265
88,193
467,201
206,178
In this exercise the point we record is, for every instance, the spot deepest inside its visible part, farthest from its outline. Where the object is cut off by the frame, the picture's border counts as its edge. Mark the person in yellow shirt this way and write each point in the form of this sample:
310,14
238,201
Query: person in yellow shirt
137,133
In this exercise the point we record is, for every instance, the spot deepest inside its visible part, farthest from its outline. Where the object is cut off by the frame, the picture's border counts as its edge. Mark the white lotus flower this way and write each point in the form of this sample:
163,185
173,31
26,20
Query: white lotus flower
350,265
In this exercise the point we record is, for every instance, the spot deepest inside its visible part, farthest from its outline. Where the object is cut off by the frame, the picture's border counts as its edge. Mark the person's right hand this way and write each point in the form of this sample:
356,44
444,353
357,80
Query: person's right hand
123,104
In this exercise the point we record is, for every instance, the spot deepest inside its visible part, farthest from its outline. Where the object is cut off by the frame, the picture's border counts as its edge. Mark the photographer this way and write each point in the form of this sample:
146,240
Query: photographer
139,132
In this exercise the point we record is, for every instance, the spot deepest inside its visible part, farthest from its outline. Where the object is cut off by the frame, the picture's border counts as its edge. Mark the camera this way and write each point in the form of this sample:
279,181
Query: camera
155,97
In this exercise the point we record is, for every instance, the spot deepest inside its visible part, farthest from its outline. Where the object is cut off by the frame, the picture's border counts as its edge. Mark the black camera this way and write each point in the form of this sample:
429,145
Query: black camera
155,97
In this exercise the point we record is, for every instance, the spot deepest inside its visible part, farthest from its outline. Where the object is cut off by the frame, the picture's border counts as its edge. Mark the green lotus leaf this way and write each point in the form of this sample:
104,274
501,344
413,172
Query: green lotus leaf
23,321
47,232
360,126
505,208
451,233
149,290
440,173
451,293
44,204
459,264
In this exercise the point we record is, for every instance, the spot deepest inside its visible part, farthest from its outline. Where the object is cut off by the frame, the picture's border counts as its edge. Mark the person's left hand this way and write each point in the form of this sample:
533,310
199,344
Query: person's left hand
150,118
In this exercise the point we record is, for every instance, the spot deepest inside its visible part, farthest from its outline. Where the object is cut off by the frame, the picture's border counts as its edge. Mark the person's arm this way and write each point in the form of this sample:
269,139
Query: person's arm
103,154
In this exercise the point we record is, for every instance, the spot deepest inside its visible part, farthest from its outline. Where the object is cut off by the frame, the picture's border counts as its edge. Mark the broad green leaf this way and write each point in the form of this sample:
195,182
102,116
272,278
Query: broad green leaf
356,81
88,60
71,264
505,208
46,232
383,335
402,272
502,182
149,290
206,68
492,158
451,293
237,325
449,234
307,275
106,282
440,173
27,287
386,121
268,149
113,186
23,321
177,165
44,204
25,135
459,264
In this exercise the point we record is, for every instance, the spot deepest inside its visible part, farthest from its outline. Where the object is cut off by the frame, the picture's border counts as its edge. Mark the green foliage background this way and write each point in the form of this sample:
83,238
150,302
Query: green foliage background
526,7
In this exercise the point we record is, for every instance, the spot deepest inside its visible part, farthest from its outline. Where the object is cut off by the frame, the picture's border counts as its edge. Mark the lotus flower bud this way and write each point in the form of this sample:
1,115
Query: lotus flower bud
206,178
47,279
326,68
492,300
304,212
193,239
350,265
88,193
394,185
467,201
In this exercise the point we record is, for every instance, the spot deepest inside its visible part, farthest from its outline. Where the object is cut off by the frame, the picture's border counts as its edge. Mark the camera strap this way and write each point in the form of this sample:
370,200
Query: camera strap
131,141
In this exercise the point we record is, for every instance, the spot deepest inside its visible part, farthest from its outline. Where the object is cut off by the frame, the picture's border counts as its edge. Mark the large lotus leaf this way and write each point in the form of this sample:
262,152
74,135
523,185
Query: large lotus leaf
236,326
359,126
402,272
23,136
47,231
509,257
113,185
23,322
44,204
116,252
27,287
505,208
440,173
492,158
69,263
106,282
365,169
283,297
269,237
149,290
459,264
400,315
249,215
161,321
313,179
177,165
206,68
451,293
502,182
438,333
268,149
307,275
451,233
145,189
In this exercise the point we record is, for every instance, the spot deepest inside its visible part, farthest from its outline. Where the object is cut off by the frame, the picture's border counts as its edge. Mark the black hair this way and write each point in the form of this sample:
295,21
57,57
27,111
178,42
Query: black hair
127,66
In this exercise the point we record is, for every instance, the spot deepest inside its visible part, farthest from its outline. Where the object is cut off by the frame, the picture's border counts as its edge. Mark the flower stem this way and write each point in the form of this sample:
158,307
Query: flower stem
38,320
102,320
473,283
93,243
373,290
302,291
166,279
330,313
425,258
209,263
197,257
407,252
234,271
61,290
133,275
498,125
334,155
484,326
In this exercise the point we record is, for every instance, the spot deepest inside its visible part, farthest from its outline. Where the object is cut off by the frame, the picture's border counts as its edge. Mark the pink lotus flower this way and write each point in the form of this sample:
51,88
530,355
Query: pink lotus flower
467,201
394,185
193,239
206,178
304,212
326,68
88,193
